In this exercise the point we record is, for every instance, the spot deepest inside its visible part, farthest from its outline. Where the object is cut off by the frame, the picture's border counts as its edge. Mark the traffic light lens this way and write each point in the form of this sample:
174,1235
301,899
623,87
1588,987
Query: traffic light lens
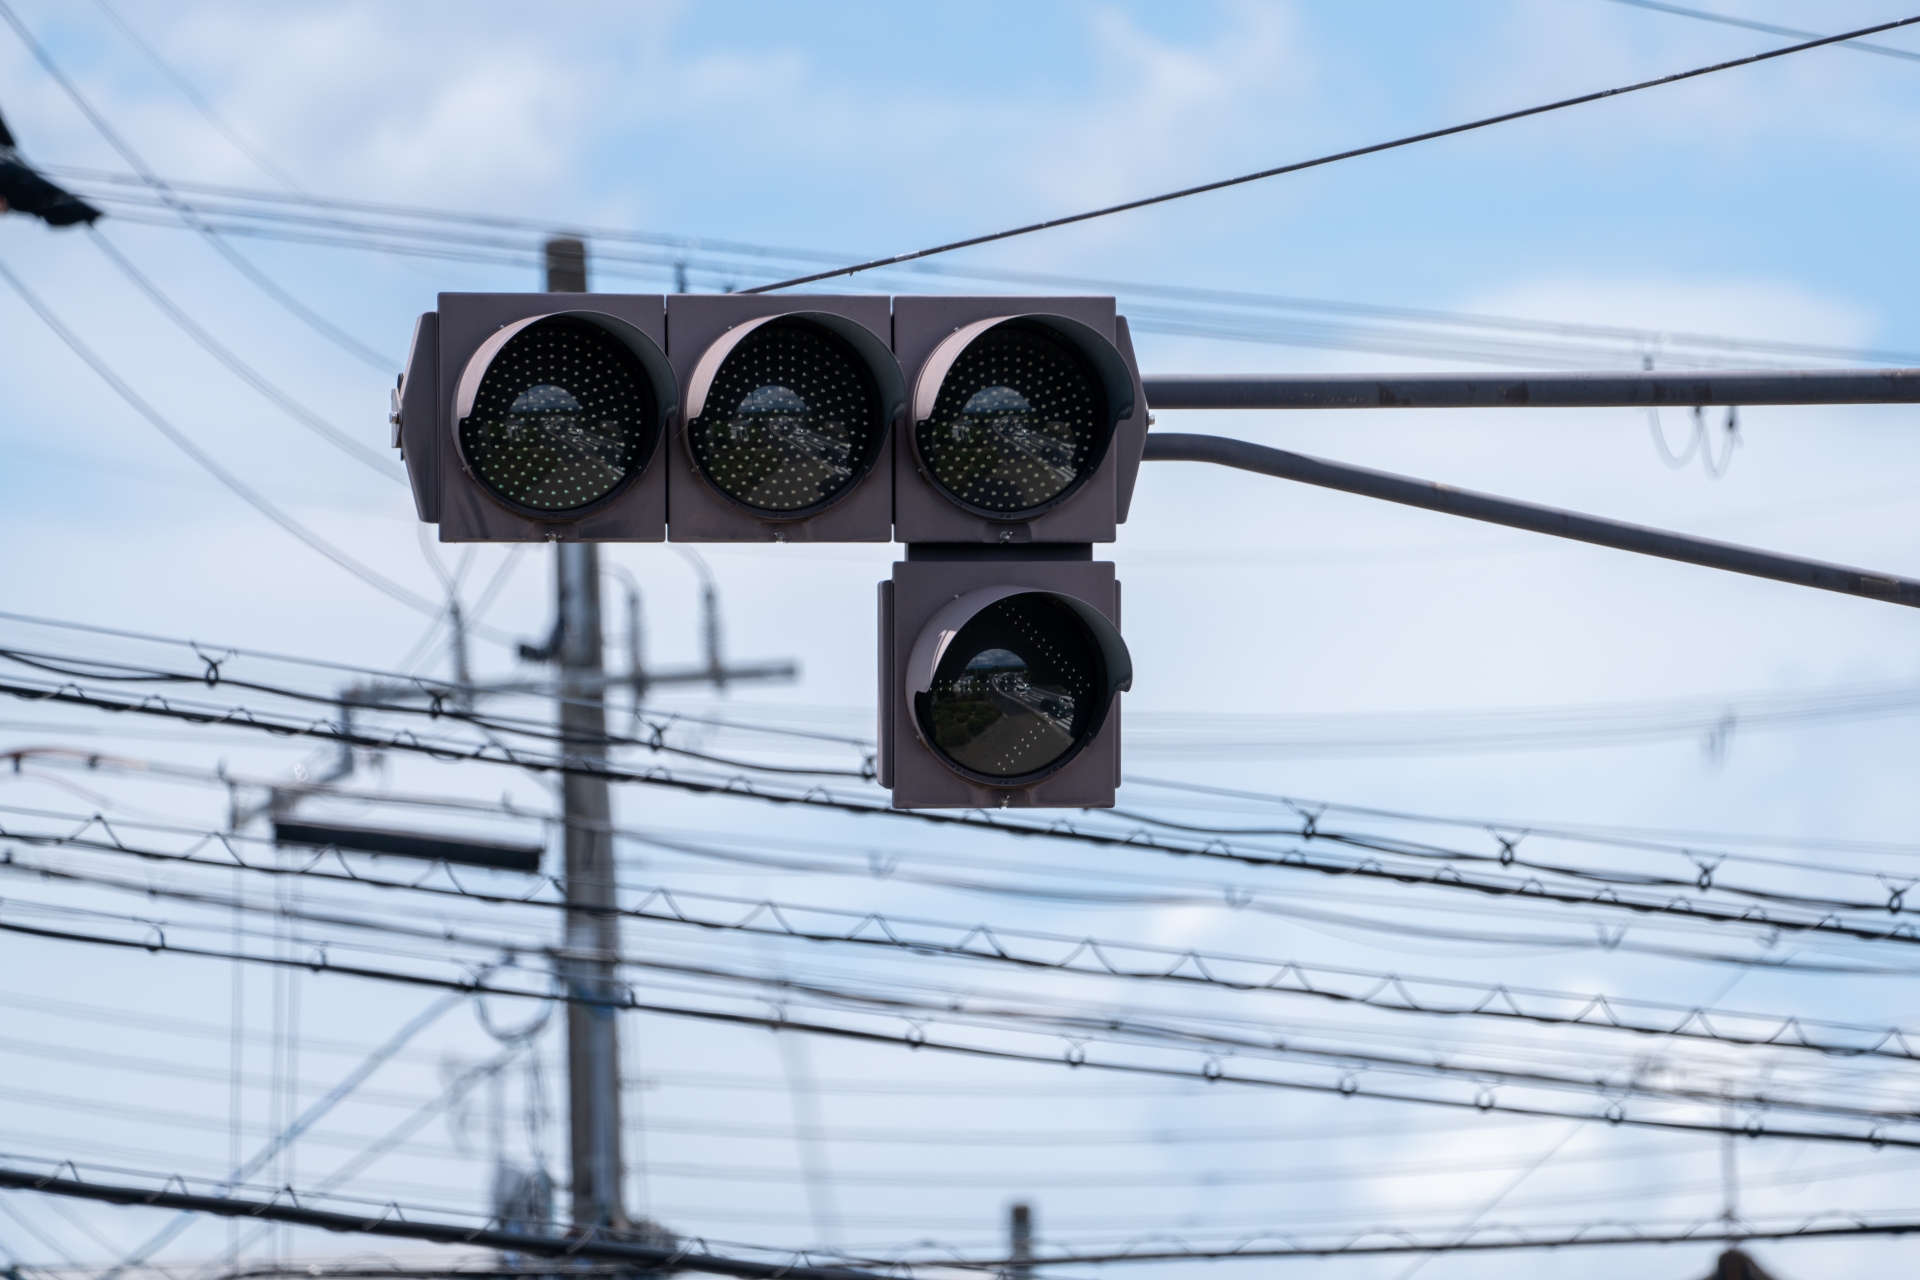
1019,423
791,421
563,418
1015,691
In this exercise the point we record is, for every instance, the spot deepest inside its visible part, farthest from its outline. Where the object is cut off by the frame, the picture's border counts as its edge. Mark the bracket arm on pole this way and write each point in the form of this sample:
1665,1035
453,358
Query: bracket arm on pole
1635,389
1166,446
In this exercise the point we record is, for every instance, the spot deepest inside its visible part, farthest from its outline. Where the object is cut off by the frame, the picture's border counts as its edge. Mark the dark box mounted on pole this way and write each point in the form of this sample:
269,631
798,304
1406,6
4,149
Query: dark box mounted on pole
787,433
1000,678
410,844
1026,423
537,417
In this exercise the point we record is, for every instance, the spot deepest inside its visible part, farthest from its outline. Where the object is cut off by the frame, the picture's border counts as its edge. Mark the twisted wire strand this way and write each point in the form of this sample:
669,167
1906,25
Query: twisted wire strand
1001,945
1527,888
1080,1032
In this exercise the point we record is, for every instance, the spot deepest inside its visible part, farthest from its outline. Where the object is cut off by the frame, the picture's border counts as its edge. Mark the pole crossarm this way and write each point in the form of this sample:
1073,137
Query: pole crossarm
1164,446
1624,389
388,1222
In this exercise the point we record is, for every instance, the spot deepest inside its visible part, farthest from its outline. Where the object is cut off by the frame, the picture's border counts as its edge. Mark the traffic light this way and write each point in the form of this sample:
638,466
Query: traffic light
791,405
999,678
1001,660
998,437
537,417
1027,421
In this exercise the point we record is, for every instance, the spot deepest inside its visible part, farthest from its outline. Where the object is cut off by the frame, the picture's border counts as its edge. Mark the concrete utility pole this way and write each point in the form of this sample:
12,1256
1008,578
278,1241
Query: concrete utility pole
1020,1241
593,1028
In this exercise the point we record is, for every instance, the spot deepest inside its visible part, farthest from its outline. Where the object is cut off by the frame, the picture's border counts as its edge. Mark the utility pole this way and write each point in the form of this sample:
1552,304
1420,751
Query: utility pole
592,933
1020,1241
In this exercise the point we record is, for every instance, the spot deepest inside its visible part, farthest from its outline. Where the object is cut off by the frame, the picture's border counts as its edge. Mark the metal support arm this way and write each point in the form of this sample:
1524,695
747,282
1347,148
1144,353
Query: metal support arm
1624,389
1163,446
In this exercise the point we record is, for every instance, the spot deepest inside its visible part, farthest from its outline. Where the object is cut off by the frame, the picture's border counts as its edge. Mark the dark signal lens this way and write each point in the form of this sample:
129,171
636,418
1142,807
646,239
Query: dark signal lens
791,421
1020,422
564,417
1015,693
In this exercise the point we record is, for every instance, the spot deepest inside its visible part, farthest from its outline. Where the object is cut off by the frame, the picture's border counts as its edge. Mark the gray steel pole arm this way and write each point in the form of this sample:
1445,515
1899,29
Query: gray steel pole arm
1165,446
1631,389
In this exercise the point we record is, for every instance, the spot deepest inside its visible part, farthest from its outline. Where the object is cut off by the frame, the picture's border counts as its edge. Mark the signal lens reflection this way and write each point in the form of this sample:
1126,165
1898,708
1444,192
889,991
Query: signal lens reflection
1020,422
1014,693
564,416
791,421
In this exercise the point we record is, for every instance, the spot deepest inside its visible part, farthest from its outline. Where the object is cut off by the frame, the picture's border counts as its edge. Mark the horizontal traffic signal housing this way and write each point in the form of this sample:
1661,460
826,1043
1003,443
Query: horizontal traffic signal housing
1000,677
612,417
787,433
1027,420
535,417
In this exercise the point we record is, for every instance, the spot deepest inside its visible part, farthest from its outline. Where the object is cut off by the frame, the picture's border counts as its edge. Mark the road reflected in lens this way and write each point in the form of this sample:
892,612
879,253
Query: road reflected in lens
1014,692
792,419
1020,420
564,414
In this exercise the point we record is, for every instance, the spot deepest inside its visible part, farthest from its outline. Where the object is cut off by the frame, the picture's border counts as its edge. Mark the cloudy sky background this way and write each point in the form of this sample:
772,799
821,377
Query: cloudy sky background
1766,203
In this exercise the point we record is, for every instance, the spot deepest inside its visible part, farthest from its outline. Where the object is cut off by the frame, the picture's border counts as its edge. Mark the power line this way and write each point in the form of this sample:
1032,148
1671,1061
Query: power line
1485,1098
391,1222
240,368
313,319
1212,895
993,944
1703,876
1728,20
1075,1023
437,695
937,1177
199,100
1310,812
1298,166
1222,314
1704,863
1216,849
1655,839
240,488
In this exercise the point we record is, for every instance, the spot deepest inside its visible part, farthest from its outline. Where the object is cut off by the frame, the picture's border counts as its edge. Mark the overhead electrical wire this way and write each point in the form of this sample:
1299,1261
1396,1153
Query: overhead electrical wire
1792,1033
1334,158
391,1221
1337,735
434,694
258,501
1390,1170
1655,839
200,102
1233,898
1193,1229
1214,849
708,847
1693,713
1235,315
332,332
1703,873
1222,897
1105,958
436,706
429,690
1099,1029
240,368
1071,1019
1309,812
1729,20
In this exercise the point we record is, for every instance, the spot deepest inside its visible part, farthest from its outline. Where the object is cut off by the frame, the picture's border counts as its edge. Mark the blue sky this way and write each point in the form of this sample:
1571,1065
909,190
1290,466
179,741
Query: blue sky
1772,202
